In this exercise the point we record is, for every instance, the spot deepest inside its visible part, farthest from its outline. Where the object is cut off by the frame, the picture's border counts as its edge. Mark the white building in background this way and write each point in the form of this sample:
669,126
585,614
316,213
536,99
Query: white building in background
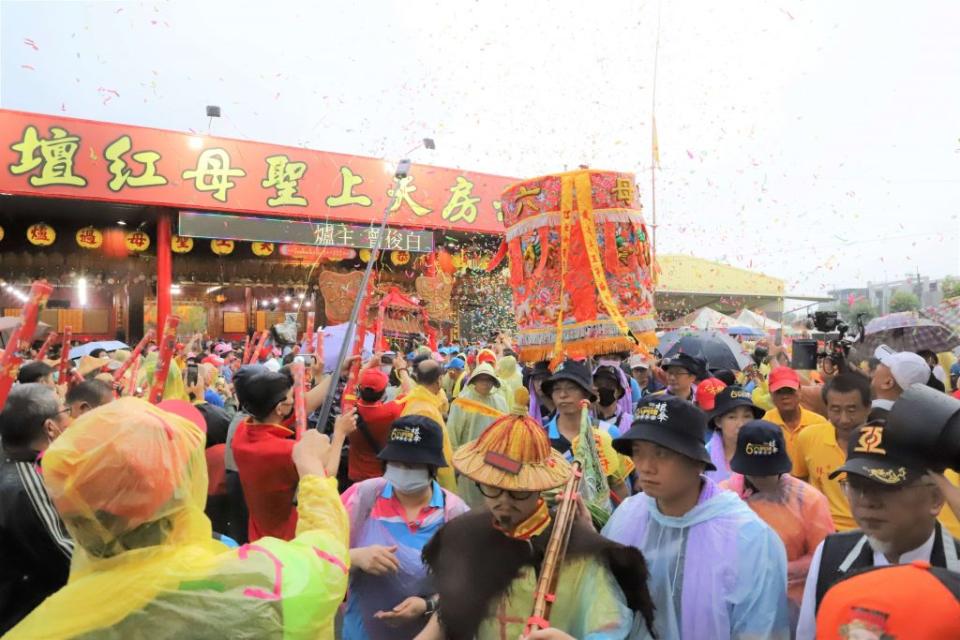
928,290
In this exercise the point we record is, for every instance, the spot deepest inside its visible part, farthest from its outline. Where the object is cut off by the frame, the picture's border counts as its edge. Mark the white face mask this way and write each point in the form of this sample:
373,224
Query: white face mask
407,480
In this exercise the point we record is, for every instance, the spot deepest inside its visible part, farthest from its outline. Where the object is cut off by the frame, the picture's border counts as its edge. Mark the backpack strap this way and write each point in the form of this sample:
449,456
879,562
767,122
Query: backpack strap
950,554
364,430
853,555
841,554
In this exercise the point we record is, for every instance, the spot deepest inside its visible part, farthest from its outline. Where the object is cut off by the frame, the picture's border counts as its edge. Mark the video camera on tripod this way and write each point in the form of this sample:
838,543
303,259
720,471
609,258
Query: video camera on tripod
806,353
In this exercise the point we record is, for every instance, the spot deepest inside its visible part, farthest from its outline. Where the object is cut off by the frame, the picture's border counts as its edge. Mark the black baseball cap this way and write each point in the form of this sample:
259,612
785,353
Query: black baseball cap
692,364
609,372
729,399
761,450
414,440
573,371
538,370
886,456
672,423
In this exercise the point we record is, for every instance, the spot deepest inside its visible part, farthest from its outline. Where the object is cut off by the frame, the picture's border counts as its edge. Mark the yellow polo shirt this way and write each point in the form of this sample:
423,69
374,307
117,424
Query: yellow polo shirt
807,418
817,456
947,518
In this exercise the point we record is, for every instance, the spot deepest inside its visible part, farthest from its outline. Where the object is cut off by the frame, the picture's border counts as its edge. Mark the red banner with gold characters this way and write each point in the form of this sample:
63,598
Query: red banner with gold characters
43,155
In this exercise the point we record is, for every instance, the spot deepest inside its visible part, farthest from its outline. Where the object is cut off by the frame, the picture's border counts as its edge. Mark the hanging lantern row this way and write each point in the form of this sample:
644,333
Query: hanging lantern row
222,247
41,234
91,238
262,249
181,244
136,241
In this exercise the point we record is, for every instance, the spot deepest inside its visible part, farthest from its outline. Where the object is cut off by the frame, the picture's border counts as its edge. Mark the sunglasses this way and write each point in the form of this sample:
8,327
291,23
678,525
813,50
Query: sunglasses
496,492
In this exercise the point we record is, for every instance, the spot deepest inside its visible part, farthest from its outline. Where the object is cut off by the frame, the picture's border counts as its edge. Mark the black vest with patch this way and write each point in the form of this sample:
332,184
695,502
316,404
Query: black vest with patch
835,563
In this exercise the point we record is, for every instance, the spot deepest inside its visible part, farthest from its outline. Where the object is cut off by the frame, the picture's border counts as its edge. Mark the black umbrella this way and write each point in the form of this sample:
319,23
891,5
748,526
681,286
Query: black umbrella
717,348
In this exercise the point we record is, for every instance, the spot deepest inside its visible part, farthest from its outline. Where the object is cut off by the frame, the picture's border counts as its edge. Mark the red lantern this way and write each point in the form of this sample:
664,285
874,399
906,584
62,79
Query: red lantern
114,245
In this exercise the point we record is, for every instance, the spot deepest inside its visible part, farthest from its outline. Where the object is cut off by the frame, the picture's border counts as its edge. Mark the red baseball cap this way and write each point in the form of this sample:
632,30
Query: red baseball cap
783,377
373,379
707,391
900,601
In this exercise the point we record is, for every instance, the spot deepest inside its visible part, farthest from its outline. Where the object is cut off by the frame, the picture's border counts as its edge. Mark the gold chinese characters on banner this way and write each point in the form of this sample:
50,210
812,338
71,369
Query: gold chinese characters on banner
136,241
41,234
221,247
262,249
181,244
89,238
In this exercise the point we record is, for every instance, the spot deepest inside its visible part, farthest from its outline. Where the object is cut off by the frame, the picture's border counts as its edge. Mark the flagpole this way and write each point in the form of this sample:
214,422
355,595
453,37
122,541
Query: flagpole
403,169
654,146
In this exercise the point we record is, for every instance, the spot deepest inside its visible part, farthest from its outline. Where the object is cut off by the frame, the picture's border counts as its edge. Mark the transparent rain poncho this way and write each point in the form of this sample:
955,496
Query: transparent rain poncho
716,572
130,482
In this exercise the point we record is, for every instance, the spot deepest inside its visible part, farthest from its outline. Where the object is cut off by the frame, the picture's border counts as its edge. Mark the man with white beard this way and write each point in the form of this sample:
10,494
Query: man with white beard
895,506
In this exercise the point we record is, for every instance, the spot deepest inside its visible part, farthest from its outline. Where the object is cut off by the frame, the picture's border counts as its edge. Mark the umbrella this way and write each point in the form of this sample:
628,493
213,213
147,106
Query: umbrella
745,331
9,323
907,331
106,345
946,313
717,348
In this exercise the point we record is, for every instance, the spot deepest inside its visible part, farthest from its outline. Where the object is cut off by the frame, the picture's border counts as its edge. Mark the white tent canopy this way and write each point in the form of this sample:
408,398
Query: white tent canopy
707,318
747,318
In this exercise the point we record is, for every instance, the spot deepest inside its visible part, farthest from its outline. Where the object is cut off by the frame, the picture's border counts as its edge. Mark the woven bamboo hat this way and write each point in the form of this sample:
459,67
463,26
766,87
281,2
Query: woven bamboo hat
513,453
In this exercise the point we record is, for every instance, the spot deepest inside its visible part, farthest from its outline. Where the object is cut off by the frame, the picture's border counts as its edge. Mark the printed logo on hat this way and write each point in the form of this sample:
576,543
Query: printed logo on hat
871,437
762,448
654,411
887,476
865,623
741,395
405,434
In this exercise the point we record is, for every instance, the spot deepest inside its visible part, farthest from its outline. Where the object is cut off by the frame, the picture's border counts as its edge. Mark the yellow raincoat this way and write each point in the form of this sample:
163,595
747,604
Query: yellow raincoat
175,389
130,482
511,379
470,414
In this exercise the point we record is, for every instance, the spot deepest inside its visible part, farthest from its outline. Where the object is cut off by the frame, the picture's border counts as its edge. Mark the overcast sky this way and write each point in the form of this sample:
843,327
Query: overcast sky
816,141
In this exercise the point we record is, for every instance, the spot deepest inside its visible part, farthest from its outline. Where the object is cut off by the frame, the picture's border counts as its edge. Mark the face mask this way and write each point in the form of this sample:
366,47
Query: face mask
386,368
607,396
407,480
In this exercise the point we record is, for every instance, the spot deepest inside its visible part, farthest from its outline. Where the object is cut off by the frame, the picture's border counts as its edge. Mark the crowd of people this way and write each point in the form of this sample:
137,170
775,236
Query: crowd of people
757,503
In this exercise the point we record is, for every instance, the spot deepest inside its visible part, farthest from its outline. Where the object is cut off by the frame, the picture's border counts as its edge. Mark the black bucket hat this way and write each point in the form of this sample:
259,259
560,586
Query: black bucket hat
414,440
672,423
761,450
694,365
886,456
573,371
729,399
